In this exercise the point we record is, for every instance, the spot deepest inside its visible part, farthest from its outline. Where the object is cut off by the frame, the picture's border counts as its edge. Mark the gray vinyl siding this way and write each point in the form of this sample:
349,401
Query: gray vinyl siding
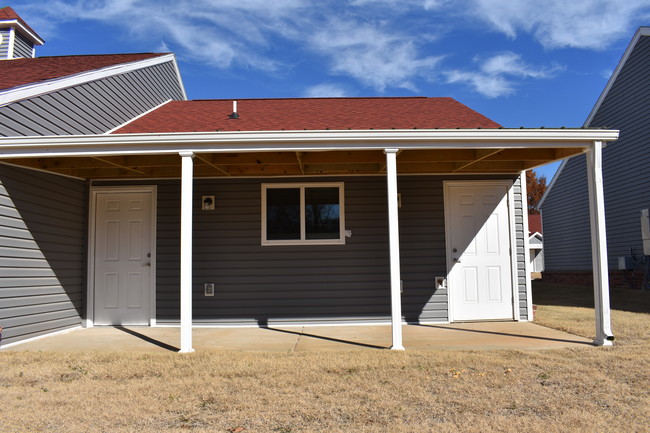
42,252
257,284
521,250
4,46
92,108
626,174
22,46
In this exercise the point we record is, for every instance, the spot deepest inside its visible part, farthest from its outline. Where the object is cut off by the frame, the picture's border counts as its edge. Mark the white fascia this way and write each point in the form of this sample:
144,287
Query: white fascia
292,141
42,87
30,34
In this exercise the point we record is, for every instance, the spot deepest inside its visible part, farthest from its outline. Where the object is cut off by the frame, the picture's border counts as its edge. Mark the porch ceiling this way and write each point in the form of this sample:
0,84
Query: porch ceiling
284,163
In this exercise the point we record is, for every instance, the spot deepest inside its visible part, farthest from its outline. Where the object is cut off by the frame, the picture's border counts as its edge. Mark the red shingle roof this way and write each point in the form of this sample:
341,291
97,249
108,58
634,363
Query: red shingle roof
309,114
18,72
7,13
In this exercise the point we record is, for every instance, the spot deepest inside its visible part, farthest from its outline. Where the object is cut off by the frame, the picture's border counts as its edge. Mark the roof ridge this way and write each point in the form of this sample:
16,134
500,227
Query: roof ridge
99,55
320,98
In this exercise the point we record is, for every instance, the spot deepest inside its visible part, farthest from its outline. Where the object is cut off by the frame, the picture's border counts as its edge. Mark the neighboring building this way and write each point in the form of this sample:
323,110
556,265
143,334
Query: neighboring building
623,105
259,211
536,244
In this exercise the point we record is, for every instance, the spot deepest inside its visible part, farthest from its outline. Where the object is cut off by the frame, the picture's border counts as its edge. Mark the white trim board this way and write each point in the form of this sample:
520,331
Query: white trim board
42,87
294,141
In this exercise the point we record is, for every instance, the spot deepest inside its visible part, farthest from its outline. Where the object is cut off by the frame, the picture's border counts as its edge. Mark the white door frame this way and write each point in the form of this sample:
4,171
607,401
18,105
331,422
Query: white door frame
90,284
508,184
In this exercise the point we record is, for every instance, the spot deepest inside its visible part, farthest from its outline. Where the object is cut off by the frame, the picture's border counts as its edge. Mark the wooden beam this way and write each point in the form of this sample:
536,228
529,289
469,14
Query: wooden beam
481,154
299,158
211,164
120,166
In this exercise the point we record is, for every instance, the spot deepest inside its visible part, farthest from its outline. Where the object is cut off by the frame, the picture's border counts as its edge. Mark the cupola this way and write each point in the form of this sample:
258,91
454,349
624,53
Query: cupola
17,39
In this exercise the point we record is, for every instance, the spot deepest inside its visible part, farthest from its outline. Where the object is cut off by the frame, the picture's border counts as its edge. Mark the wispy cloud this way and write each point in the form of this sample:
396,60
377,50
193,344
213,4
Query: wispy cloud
375,56
380,44
495,75
588,24
325,90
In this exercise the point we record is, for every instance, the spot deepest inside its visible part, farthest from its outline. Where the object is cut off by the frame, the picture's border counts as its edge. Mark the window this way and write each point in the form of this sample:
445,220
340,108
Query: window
296,214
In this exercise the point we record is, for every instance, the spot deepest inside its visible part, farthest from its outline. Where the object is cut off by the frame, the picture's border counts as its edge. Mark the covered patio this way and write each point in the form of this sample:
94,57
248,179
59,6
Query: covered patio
465,336
189,156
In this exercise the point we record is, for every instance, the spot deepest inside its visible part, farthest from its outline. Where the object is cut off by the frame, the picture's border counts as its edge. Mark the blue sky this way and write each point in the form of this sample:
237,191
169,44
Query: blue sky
524,63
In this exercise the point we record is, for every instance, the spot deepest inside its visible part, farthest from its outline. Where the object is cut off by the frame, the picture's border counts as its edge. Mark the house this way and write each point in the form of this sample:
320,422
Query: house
535,244
625,105
263,212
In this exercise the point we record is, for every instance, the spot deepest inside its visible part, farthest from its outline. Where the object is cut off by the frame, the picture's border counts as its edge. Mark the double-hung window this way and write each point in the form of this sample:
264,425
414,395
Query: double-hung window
308,213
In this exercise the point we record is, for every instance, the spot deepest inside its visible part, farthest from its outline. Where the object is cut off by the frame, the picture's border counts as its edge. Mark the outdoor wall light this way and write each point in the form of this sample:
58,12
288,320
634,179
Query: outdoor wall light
207,202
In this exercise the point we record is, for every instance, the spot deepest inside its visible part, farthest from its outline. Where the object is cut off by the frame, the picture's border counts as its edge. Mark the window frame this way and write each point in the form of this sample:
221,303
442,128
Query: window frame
303,223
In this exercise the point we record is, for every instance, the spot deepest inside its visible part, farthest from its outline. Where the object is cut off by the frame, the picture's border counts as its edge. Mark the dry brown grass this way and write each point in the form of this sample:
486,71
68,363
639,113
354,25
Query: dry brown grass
582,389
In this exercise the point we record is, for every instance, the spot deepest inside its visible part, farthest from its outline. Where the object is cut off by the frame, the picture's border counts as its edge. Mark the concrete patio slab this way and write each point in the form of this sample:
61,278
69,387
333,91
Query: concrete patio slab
468,336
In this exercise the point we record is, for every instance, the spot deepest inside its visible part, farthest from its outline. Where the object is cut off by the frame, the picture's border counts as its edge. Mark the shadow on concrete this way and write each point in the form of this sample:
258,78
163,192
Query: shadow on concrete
321,337
505,334
148,339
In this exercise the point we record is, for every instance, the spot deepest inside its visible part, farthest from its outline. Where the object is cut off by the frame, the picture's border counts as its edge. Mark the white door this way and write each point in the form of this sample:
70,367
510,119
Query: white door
122,258
478,251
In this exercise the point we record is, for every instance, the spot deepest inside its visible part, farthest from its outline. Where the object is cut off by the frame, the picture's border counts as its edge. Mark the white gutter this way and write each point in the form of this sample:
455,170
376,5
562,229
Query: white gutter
42,87
290,141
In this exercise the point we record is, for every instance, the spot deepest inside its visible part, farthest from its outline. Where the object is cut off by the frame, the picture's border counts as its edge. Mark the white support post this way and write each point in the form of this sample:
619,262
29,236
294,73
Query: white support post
393,236
187,179
604,336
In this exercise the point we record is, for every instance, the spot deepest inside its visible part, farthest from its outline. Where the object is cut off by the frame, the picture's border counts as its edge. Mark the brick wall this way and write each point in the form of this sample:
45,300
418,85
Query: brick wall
617,279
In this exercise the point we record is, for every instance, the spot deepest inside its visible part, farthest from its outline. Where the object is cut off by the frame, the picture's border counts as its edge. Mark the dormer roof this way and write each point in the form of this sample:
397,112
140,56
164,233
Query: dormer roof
9,18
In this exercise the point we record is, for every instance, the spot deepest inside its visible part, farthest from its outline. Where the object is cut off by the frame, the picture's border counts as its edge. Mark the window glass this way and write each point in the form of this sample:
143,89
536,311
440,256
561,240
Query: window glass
322,213
282,213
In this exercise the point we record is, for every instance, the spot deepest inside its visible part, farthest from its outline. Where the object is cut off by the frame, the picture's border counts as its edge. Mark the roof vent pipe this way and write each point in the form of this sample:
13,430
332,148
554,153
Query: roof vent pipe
234,114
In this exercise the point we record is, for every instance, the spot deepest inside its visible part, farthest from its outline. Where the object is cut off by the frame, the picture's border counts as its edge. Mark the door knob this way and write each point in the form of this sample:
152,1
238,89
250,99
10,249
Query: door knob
456,260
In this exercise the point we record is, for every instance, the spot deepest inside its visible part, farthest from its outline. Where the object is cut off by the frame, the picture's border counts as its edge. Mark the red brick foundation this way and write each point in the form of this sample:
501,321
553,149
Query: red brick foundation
617,279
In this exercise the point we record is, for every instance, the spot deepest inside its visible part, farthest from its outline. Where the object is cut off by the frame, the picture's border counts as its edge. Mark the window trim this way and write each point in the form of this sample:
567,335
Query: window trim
303,240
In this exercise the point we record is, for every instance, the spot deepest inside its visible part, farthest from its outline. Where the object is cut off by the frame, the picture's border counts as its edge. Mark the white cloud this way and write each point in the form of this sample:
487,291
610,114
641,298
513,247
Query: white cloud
491,86
325,90
495,75
589,24
511,64
377,57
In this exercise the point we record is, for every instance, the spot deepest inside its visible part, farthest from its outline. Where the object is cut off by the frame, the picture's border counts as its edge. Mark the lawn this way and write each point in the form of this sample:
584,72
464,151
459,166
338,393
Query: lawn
582,389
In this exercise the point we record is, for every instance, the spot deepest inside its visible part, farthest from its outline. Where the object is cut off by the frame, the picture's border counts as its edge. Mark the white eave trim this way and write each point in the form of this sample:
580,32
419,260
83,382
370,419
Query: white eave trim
30,34
291,141
642,31
42,87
